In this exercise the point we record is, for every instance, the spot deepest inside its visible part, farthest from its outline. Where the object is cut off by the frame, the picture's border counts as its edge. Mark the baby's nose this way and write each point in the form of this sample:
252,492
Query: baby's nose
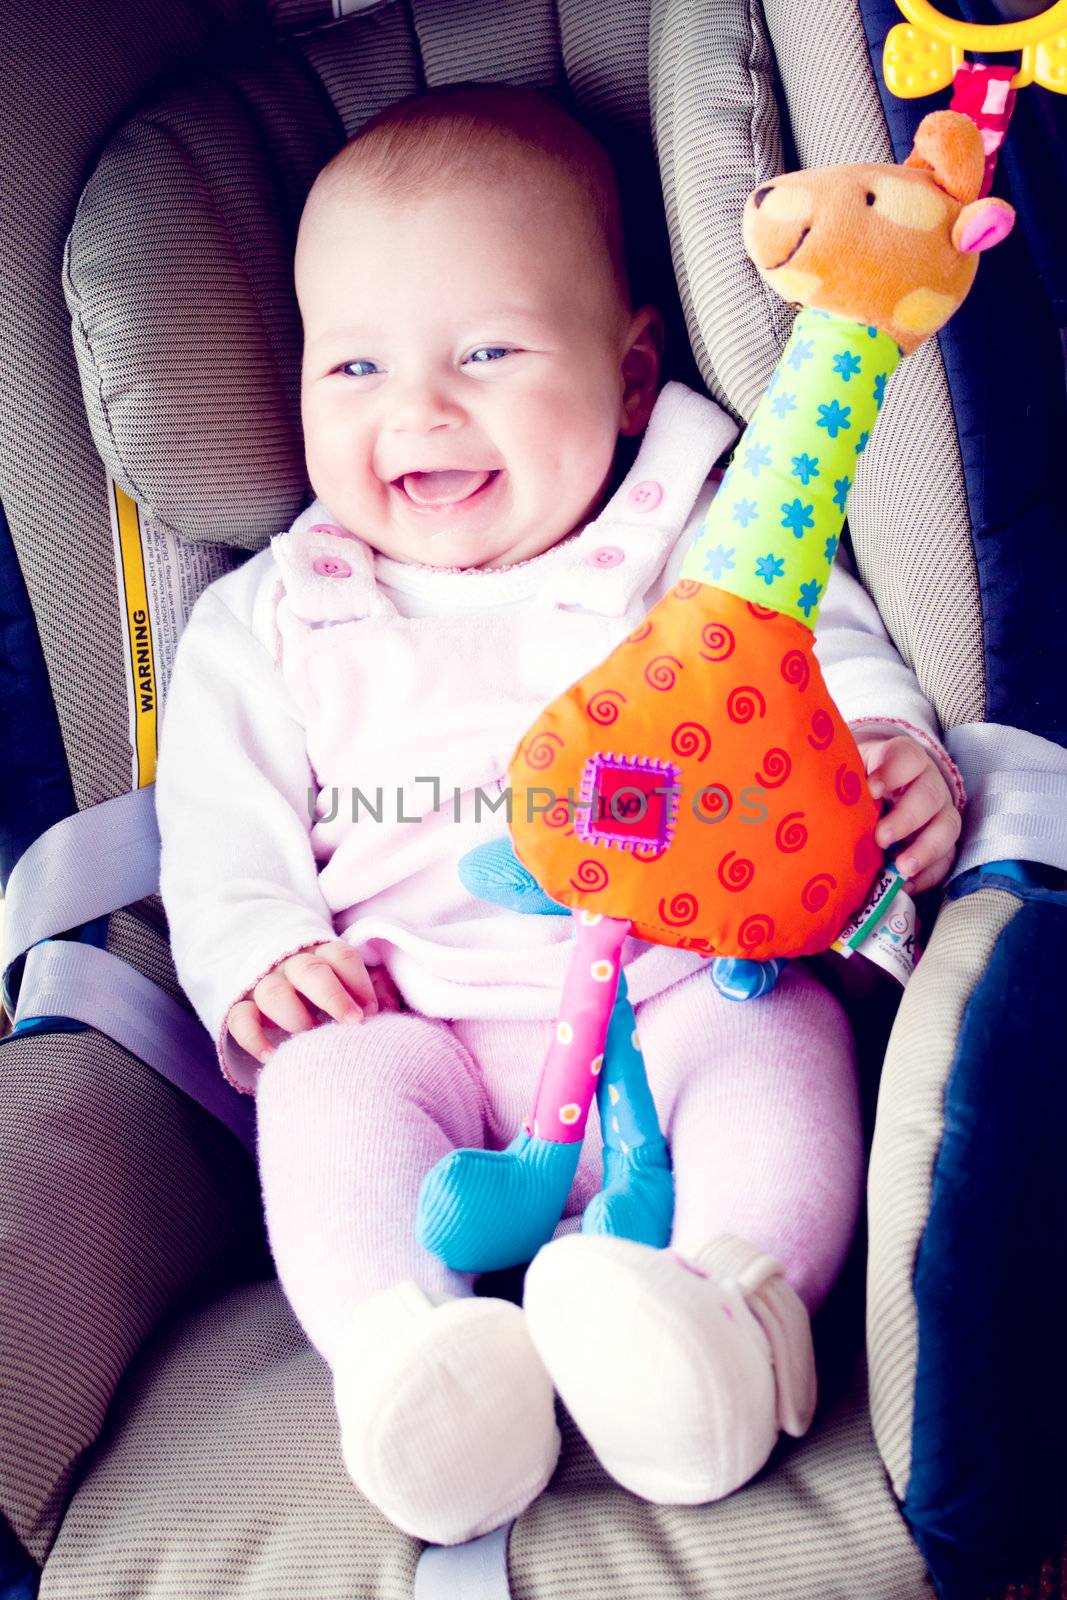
419,406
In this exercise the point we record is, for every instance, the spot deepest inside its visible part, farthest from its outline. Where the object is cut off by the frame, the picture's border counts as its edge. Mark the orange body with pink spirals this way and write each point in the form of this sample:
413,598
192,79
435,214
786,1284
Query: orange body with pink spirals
701,783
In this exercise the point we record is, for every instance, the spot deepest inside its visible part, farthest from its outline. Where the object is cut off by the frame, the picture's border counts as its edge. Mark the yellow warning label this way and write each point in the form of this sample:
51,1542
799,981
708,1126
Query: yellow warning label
159,578
133,592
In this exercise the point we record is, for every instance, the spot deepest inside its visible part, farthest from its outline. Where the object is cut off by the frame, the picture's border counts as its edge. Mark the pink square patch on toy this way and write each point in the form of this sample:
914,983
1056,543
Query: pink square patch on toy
628,801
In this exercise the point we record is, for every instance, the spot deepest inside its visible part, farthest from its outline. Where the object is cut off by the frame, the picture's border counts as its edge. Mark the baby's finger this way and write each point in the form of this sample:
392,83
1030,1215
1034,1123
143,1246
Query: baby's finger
279,1002
312,973
352,973
385,990
245,1024
933,842
898,761
924,798
931,875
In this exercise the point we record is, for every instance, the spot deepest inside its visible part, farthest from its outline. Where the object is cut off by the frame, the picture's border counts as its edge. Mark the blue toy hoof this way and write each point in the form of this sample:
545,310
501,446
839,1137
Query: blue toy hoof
637,1200
483,1210
493,872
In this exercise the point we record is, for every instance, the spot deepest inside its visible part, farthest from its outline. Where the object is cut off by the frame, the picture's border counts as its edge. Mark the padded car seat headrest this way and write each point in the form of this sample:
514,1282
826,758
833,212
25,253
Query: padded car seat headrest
178,275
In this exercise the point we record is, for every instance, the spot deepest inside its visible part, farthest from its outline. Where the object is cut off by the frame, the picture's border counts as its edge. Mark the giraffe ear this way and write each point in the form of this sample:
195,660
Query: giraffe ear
949,147
982,224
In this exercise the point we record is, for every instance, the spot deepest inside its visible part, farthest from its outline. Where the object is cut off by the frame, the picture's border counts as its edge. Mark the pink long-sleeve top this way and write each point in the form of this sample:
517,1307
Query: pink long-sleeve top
320,669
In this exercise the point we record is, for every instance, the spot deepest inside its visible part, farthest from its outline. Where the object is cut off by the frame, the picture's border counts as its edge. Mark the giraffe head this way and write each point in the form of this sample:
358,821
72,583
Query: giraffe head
895,247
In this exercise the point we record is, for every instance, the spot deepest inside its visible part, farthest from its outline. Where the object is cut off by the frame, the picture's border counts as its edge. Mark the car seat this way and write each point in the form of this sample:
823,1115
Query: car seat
165,1427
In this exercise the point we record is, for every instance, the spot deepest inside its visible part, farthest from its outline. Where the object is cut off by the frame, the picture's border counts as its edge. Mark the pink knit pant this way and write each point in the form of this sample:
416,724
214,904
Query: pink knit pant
759,1101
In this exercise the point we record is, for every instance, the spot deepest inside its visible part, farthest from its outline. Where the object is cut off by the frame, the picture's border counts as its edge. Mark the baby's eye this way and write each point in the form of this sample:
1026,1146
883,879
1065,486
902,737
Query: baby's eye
361,362
488,350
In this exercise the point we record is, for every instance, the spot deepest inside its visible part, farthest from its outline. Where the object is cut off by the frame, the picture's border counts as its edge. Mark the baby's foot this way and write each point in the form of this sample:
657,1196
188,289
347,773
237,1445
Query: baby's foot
482,1210
637,1200
446,1412
679,1372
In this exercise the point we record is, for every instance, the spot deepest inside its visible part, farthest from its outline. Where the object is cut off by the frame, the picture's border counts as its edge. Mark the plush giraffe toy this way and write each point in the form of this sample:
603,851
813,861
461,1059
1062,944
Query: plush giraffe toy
717,688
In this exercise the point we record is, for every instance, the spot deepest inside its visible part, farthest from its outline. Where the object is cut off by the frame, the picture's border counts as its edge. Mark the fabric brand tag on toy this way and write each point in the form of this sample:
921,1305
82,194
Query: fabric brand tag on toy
893,944
885,929
158,577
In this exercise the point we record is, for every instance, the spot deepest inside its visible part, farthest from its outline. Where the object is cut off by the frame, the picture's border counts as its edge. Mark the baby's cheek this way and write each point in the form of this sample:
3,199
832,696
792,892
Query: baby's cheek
586,475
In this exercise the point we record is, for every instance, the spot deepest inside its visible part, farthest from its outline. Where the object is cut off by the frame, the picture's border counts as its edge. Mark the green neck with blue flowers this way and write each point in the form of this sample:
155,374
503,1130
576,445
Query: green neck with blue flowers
772,530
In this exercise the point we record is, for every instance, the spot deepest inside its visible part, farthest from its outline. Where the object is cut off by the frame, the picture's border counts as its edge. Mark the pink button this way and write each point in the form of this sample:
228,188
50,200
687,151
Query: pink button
645,496
326,527
331,567
607,555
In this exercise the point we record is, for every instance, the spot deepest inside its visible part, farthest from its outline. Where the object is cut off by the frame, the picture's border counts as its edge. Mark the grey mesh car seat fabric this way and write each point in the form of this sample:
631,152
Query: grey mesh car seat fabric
166,1428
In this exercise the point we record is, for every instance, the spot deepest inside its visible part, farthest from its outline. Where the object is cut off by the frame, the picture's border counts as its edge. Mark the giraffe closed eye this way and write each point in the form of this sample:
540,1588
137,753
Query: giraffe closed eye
909,205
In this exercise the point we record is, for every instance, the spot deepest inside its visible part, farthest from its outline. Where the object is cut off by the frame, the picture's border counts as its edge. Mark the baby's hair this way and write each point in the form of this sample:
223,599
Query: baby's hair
480,129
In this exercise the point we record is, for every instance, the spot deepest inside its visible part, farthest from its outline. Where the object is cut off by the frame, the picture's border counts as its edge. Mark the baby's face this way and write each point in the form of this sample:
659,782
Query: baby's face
463,381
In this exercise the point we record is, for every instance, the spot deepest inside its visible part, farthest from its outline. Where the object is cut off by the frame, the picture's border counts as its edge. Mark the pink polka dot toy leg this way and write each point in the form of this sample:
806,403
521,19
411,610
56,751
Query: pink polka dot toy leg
576,1055
490,1209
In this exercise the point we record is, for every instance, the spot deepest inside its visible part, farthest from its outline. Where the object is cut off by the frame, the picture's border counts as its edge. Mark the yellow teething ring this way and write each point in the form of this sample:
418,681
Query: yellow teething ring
993,36
924,54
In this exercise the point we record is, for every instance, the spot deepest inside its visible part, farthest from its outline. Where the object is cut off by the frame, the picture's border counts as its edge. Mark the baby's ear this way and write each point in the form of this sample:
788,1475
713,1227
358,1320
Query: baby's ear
982,224
640,370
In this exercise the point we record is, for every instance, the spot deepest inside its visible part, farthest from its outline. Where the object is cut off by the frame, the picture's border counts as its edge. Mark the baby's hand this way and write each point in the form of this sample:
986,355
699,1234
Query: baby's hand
331,975
921,808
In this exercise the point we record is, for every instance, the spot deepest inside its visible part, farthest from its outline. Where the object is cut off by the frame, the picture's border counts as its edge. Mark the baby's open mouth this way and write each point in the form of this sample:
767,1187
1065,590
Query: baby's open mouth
449,488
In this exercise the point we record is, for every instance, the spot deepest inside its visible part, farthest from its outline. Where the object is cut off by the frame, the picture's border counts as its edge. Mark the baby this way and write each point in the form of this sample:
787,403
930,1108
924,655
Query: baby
341,715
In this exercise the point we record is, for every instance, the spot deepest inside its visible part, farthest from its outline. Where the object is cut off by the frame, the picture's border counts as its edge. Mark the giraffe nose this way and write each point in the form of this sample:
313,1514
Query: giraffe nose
761,195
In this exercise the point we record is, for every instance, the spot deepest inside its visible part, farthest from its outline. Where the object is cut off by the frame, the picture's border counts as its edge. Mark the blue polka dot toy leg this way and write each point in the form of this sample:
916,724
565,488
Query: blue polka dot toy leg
637,1199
